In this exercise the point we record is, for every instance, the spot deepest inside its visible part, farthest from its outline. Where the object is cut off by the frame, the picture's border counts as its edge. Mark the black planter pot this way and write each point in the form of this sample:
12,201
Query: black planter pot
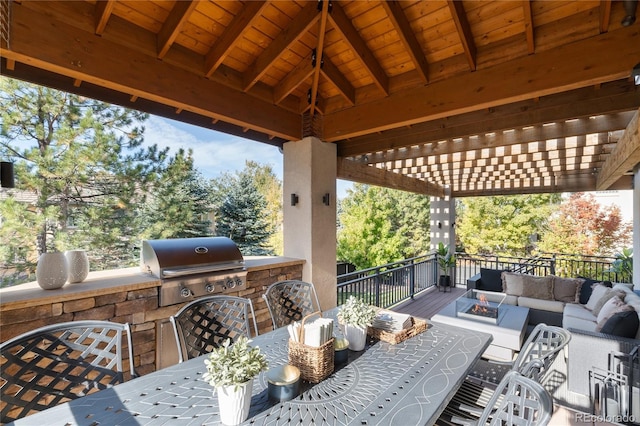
444,283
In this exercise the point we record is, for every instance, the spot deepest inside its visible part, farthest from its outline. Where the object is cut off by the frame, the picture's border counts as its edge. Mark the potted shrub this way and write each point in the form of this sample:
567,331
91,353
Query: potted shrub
356,316
446,261
231,370
623,266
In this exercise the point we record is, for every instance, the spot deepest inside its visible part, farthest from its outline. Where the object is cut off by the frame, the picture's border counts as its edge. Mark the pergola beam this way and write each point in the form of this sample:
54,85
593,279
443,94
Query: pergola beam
624,157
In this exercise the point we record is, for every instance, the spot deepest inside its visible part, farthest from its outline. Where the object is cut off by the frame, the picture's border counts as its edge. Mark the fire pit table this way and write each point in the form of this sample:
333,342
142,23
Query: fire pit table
507,323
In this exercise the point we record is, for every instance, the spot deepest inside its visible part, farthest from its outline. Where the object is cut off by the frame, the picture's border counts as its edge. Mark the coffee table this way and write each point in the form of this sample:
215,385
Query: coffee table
508,330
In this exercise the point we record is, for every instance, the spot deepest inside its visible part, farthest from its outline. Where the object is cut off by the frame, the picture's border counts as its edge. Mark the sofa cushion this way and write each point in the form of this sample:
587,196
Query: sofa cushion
578,323
541,304
609,295
631,299
598,291
512,283
490,279
578,311
567,289
612,307
537,287
623,324
586,288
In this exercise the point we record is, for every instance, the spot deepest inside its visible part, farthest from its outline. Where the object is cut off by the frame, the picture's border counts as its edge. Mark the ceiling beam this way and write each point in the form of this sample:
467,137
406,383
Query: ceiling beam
624,157
408,37
605,15
610,98
294,79
464,31
104,8
564,68
528,26
342,24
333,75
357,172
173,25
231,35
300,25
322,28
63,49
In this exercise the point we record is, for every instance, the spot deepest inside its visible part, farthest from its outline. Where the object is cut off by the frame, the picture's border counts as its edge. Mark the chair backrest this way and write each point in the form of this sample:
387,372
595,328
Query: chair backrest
57,363
540,350
205,323
518,400
290,301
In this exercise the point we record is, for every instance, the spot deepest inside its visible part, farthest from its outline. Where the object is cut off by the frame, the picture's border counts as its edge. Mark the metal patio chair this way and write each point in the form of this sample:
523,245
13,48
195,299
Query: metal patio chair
538,353
61,362
518,400
205,323
290,301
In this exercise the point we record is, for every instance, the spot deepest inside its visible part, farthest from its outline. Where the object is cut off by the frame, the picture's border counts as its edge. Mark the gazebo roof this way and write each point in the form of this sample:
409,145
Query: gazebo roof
480,97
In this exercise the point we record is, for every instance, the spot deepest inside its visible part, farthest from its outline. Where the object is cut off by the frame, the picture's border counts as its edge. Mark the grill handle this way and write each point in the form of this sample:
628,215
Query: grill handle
201,250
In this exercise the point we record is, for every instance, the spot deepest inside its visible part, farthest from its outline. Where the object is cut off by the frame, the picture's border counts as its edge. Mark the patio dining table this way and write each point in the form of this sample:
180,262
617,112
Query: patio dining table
408,383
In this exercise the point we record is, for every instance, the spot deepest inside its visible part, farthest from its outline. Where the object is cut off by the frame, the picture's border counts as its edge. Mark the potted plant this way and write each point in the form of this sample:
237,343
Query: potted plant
356,316
446,261
622,267
231,369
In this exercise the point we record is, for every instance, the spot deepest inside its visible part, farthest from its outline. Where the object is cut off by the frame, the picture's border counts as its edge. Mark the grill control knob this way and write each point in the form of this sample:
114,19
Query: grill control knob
230,283
209,287
238,282
185,292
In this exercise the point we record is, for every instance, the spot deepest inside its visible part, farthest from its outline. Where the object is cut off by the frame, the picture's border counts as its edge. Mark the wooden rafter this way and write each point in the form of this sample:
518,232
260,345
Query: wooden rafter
294,79
528,26
172,26
624,158
333,75
464,31
408,37
104,8
605,15
319,56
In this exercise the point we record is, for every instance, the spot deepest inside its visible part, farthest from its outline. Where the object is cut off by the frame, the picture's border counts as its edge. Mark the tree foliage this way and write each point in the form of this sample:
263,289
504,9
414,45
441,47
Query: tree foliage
502,225
582,226
380,225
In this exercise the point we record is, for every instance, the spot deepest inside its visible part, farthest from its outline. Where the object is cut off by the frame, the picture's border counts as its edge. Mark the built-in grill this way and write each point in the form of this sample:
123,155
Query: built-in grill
193,267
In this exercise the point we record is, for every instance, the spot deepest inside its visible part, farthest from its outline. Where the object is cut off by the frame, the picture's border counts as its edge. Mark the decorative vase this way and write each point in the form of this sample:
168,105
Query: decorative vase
356,335
52,270
234,402
78,265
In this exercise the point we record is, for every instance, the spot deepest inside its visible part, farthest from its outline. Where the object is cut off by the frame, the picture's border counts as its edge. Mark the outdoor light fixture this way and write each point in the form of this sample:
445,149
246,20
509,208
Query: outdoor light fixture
326,199
6,175
635,73
294,199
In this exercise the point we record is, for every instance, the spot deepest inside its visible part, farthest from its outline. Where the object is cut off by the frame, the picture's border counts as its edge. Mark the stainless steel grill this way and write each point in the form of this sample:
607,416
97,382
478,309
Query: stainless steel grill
193,267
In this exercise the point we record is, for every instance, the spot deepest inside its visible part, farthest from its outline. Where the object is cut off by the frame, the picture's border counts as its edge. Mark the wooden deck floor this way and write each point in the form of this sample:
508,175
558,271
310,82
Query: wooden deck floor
428,303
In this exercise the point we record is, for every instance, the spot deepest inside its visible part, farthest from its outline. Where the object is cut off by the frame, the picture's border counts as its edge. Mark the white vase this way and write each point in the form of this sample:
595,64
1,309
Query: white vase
52,270
234,403
78,265
356,335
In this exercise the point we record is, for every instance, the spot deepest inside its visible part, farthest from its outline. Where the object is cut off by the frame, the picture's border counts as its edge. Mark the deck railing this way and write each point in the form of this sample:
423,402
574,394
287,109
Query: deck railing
395,282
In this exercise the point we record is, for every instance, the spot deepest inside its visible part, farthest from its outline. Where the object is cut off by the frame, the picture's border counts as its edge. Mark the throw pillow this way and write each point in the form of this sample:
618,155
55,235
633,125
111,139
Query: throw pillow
491,279
597,292
537,287
587,285
567,289
512,283
610,294
612,307
623,324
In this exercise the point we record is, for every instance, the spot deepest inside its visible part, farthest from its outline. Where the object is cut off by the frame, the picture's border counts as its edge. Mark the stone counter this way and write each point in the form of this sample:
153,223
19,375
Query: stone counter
128,295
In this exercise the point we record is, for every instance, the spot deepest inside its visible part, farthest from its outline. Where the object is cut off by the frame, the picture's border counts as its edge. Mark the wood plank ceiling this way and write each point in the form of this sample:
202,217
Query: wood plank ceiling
464,97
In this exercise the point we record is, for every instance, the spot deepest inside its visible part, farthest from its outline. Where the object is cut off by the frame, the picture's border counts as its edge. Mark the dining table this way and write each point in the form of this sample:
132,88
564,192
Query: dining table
405,383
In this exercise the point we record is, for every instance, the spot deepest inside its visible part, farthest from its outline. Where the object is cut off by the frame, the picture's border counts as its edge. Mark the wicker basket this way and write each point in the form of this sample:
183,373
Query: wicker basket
417,327
315,363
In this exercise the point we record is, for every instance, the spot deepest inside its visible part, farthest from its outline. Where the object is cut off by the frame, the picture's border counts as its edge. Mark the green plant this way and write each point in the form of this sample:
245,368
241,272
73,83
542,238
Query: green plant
623,265
446,259
357,313
234,364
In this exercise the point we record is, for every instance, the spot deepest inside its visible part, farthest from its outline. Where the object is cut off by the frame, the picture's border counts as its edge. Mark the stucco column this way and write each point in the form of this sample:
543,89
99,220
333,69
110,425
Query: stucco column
310,173
636,228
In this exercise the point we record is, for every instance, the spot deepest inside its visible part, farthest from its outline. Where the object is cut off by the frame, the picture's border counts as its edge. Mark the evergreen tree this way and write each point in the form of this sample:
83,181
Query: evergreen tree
380,225
180,203
270,187
84,162
242,214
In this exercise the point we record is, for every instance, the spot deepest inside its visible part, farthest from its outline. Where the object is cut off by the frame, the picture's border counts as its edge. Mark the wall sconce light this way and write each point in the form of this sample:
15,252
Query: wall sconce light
635,74
326,199
294,199
6,175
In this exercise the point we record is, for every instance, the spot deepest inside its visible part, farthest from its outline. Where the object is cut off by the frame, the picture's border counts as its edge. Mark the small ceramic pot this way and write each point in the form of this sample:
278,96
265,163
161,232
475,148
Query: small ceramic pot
283,382
234,402
357,337
78,265
52,270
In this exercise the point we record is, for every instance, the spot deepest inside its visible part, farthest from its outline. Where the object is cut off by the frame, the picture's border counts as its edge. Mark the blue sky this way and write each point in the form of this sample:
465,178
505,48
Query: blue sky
214,152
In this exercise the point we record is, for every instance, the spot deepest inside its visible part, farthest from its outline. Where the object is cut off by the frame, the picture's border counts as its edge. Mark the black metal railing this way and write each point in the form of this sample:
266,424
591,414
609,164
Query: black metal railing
389,284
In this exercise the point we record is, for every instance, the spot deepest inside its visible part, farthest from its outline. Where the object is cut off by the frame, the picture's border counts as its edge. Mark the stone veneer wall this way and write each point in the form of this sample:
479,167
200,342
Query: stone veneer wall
138,306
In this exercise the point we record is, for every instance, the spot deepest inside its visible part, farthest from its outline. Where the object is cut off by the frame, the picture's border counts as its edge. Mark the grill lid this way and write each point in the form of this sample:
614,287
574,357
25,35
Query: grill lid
186,256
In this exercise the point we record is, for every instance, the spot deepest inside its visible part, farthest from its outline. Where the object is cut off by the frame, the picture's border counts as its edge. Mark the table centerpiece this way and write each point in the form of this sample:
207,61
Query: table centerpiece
355,317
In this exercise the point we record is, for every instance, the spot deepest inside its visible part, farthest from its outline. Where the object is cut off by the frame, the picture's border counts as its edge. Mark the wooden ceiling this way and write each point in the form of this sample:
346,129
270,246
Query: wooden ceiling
460,97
